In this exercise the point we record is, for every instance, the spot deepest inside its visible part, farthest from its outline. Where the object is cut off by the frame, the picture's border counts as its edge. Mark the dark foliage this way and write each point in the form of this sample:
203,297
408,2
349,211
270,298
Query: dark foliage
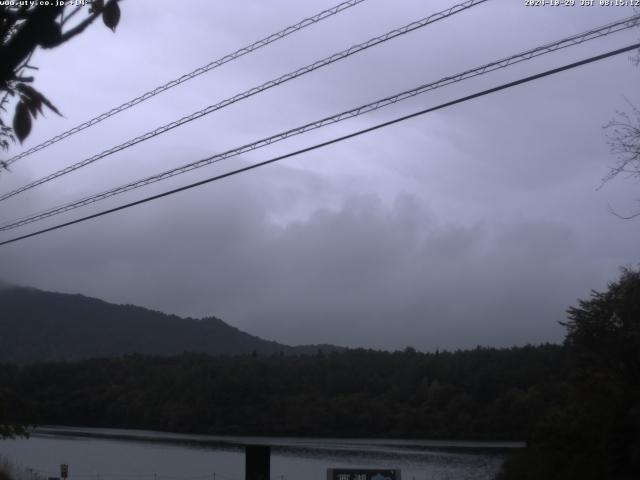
13,408
24,27
482,393
596,434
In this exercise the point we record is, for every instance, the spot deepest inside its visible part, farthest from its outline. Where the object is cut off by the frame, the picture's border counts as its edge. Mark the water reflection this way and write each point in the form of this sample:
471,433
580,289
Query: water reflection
108,454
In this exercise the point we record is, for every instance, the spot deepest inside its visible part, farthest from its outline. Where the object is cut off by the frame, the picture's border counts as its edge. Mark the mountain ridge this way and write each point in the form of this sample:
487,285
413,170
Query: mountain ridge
40,325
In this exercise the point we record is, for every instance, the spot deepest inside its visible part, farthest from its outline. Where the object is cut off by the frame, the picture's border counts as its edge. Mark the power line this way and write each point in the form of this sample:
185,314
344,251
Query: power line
330,142
184,78
255,90
354,112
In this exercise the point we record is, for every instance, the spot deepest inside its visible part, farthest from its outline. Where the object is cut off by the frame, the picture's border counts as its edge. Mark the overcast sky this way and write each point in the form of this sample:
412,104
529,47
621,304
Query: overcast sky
477,224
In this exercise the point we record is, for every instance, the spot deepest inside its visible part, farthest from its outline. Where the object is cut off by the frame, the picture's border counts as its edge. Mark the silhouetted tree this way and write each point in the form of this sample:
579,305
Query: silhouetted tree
596,434
624,141
12,405
623,138
605,329
25,27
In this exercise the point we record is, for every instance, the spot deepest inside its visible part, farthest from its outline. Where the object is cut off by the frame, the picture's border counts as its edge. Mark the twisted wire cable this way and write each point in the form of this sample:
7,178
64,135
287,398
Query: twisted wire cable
186,77
253,91
357,133
592,34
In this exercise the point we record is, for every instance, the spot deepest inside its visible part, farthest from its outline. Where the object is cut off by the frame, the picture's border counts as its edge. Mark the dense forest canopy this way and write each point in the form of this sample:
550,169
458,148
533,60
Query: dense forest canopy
482,393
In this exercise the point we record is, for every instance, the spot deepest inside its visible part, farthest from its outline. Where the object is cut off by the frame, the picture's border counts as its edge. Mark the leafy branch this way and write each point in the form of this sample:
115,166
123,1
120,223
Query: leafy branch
24,28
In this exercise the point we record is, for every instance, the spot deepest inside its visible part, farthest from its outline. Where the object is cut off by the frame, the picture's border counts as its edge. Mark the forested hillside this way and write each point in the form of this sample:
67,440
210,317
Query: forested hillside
482,393
44,326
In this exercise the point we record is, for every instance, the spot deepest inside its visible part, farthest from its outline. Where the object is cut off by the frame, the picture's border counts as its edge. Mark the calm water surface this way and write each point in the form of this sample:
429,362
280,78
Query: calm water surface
108,454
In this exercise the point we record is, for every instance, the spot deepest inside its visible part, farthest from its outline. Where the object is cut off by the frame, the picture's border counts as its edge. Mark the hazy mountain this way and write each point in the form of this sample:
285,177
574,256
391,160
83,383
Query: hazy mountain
36,325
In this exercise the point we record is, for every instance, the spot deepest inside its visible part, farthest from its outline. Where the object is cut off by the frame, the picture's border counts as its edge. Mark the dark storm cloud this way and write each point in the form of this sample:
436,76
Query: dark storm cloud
479,224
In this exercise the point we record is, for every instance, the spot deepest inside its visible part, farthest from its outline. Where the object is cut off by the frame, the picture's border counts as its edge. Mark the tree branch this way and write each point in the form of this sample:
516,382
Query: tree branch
81,26
26,39
66,19
623,217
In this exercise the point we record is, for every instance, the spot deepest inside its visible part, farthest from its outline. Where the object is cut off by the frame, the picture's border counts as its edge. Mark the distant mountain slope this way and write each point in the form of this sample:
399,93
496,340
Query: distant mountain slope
36,326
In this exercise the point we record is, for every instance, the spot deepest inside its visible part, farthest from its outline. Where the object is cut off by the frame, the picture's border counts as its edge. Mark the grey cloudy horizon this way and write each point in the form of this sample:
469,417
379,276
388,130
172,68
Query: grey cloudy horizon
479,224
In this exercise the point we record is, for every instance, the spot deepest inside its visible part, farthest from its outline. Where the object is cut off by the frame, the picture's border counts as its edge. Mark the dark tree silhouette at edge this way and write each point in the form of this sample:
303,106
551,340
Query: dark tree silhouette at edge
596,434
24,28
623,138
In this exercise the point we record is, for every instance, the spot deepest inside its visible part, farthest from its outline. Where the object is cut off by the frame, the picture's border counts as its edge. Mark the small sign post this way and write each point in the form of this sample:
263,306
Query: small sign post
257,462
362,474
64,470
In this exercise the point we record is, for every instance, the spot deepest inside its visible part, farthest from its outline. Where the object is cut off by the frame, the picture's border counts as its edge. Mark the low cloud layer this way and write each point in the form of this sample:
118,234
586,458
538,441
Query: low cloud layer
369,272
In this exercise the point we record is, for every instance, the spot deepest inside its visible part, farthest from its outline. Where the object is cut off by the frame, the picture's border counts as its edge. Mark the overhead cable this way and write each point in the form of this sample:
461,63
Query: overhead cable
354,112
188,76
253,91
329,142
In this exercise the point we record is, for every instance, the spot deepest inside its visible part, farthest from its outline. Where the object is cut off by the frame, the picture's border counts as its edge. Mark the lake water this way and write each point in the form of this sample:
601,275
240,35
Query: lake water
109,454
